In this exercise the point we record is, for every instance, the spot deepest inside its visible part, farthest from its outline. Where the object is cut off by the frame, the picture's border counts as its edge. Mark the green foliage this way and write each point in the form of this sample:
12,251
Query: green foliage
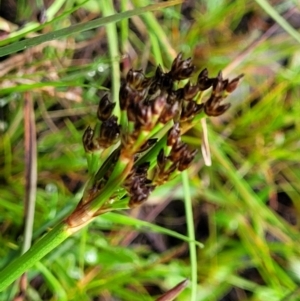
248,199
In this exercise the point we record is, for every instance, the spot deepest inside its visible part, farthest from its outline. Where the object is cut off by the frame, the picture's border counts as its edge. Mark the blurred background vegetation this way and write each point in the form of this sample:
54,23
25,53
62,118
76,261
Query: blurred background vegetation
246,205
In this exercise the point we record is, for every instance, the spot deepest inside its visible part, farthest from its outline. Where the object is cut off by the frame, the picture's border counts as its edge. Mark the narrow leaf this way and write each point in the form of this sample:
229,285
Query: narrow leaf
21,45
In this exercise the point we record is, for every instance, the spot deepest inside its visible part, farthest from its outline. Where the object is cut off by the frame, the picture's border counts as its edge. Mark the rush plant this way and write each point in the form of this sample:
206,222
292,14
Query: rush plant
130,155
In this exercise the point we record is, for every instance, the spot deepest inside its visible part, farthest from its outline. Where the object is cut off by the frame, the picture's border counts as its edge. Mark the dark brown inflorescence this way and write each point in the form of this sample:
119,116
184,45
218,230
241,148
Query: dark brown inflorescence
148,106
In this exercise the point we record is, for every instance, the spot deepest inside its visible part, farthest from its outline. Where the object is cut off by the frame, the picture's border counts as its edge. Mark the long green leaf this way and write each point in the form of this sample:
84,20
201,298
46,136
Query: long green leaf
21,45
279,19
143,225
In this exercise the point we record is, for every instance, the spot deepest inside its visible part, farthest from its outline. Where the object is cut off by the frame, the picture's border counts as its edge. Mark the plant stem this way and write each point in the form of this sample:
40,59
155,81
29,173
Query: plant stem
279,19
30,171
112,38
72,224
191,233
46,244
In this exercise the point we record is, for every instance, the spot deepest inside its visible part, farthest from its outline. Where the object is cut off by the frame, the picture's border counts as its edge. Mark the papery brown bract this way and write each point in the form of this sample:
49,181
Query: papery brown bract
181,69
87,139
105,108
109,132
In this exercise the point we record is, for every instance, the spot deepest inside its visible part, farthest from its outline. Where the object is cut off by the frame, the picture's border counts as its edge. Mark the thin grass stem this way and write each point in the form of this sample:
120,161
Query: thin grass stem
191,234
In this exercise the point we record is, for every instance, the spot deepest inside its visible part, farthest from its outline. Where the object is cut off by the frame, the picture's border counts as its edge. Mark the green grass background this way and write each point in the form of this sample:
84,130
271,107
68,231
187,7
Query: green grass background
250,195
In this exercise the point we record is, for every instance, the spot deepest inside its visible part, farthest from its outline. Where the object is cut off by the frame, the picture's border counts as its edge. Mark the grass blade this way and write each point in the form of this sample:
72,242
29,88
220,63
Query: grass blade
191,233
21,45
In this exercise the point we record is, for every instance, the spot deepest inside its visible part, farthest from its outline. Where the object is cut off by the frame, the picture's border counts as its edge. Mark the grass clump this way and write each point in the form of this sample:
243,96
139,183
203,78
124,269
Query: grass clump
245,208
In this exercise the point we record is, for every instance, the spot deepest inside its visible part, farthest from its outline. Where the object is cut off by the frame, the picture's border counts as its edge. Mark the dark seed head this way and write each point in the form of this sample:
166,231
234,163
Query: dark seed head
181,69
105,108
233,84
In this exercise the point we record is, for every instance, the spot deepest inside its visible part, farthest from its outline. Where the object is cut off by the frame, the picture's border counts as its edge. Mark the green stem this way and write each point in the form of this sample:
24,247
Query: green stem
112,38
46,244
191,233
279,19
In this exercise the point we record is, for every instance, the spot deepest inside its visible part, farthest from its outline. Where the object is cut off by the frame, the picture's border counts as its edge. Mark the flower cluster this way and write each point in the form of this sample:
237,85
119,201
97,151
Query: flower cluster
147,135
